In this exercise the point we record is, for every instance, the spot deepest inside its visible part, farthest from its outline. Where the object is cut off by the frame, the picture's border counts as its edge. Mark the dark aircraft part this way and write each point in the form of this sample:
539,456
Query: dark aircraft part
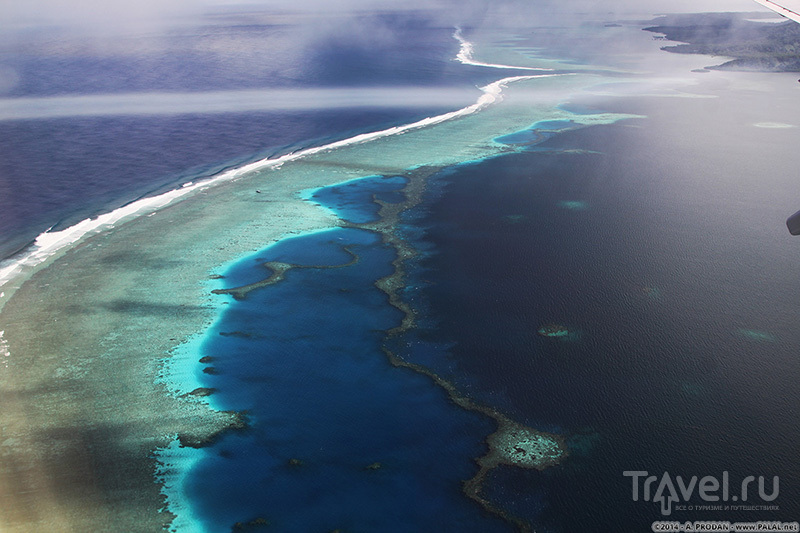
793,223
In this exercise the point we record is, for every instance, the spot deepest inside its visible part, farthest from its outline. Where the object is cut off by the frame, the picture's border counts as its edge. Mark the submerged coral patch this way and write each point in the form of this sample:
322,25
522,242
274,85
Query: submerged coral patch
560,332
515,444
553,330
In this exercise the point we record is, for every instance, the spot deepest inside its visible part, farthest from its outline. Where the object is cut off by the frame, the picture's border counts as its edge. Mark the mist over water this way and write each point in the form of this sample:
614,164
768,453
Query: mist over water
186,61
92,122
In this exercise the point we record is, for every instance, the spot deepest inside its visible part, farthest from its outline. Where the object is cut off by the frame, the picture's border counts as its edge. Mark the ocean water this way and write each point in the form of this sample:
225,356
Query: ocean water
92,165
670,281
353,201
335,430
55,172
655,242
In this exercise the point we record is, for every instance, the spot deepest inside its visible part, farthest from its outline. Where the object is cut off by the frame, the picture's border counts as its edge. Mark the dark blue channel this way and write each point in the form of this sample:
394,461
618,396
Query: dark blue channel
338,437
354,200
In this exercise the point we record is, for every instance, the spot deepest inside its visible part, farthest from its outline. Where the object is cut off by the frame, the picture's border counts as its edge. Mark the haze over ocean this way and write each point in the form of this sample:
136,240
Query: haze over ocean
475,324
63,167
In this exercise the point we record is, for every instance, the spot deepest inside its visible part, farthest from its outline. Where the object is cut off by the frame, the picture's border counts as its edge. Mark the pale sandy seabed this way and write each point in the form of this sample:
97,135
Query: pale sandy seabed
83,405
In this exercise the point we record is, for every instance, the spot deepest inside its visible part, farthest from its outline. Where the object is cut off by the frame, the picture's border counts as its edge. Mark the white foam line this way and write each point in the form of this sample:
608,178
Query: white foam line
51,242
465,55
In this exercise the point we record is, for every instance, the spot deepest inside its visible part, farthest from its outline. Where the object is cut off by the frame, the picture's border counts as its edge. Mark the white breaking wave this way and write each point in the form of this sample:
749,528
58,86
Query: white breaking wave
467,49
50,242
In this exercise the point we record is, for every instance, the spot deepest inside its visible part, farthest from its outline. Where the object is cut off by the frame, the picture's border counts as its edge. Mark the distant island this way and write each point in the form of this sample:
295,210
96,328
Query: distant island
753,45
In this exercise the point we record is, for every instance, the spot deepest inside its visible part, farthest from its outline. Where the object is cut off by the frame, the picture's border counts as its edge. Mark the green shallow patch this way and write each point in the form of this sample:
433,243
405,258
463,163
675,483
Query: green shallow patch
758,336
573,205
558,331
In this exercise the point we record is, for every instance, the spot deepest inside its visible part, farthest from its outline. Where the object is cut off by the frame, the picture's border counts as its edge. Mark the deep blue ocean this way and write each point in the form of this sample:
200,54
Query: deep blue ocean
677,362
677,359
